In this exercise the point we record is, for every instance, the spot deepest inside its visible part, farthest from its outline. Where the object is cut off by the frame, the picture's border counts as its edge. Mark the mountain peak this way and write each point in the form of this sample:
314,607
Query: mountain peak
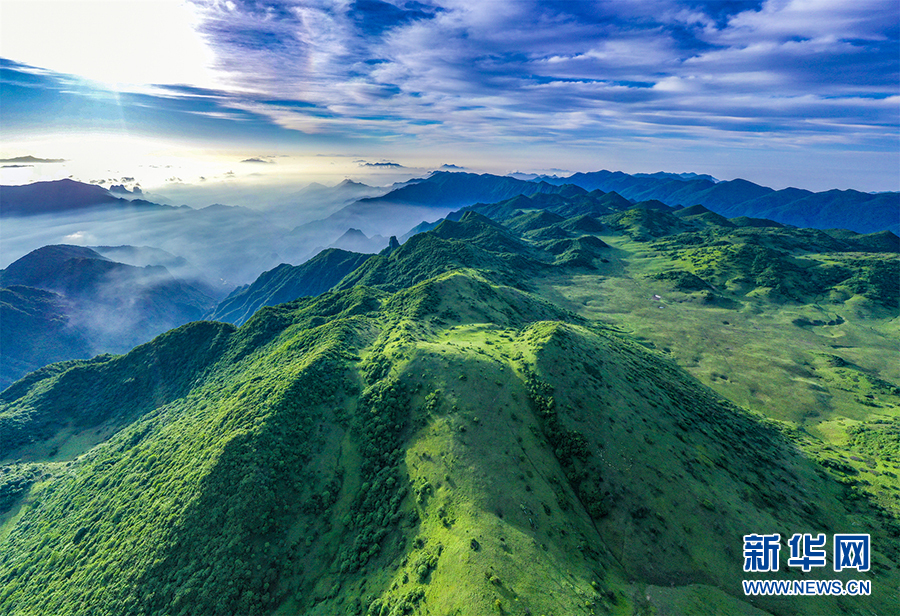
353,233
348,183
52,197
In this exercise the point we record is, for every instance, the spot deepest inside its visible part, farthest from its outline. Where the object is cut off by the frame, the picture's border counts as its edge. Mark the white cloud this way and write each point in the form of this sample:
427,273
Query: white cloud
80,238
520,71
782,19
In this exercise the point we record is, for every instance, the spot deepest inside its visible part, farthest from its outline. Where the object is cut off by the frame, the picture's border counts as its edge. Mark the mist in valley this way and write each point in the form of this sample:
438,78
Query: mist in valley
219,246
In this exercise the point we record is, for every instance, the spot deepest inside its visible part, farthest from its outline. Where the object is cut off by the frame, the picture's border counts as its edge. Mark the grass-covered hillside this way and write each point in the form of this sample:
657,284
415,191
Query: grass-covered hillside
523,411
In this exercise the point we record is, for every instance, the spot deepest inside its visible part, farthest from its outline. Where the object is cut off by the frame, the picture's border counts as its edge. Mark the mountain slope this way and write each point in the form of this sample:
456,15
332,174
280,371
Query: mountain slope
344,454
36,331
473,243
288,282
284,210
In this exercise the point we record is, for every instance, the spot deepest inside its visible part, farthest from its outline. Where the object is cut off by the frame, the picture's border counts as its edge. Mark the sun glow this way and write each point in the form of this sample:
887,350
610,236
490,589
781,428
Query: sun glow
113,43
96,156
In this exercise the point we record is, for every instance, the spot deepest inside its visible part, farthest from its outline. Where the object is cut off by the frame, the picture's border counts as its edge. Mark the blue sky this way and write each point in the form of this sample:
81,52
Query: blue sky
782,92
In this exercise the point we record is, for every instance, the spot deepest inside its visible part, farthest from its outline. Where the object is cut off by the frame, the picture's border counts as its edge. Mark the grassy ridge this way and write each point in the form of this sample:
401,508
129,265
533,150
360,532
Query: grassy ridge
446,442
414,445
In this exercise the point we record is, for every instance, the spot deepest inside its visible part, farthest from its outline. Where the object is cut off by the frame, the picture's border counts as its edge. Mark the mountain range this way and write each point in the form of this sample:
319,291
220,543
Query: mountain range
557,402
233,244
832,209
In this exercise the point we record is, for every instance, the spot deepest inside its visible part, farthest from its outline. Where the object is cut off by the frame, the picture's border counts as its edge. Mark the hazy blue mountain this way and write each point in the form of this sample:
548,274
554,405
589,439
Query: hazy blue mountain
35,330
324,200
635,187
224,245
230,244
63,268
847,209
94,304
346,190
422,227
412,202
678,176
142,256
454,189
355,240
59,197
720,197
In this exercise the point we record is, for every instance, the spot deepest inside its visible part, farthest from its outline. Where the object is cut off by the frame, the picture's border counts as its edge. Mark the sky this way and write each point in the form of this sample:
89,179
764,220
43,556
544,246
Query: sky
175,96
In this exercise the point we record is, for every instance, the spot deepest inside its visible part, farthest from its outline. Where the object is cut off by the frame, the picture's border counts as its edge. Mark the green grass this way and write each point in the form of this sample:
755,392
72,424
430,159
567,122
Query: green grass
820,366
452,444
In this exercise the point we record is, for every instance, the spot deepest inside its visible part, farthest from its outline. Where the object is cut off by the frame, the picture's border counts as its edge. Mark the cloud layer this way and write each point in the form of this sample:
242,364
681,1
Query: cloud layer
798,71
685,78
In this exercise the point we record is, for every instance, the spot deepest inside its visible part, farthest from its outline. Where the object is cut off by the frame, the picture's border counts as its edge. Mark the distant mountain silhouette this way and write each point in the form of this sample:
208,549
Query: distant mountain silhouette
60,196
356,241
141,256
325,200
414,201
448,188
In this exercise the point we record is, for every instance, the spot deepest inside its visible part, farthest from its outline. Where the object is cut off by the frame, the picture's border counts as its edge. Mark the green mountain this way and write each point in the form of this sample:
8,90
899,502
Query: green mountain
288,282
475,242
531,221
643,223
478,422
373,453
